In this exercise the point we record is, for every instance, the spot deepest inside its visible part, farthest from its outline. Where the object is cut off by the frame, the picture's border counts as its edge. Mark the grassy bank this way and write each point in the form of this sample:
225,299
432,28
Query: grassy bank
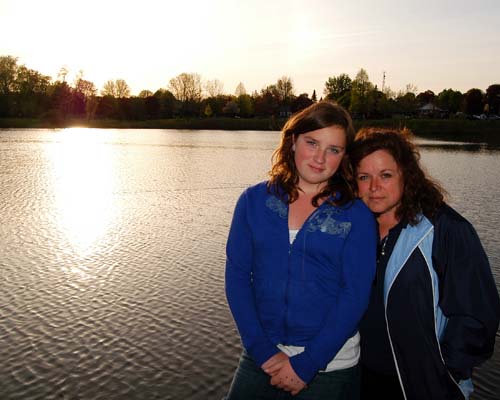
236,124
485,131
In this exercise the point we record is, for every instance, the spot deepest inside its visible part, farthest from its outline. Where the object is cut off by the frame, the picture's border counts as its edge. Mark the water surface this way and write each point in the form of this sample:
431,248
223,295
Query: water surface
112,256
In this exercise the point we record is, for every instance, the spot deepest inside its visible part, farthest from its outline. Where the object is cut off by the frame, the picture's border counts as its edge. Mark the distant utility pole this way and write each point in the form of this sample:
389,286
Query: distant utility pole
383,81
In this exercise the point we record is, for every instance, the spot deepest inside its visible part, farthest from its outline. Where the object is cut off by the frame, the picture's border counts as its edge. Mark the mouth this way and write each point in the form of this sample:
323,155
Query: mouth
316,169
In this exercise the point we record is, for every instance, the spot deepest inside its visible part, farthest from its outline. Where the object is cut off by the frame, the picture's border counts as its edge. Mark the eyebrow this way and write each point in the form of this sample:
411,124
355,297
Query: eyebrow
331,145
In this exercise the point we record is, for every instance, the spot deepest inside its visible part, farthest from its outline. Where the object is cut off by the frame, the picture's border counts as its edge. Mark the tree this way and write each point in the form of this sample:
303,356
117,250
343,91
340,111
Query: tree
214,88
240,90
267,103
493,98
60,99
186,87
300,102
314,98
336,87
118,89
284,88
29,81
426,97
406,103
361,101
30,88
474,102
450,100
63,73
122,89
109,89
8,73
153,107
167,103
245,105
145,94
208,111
231,108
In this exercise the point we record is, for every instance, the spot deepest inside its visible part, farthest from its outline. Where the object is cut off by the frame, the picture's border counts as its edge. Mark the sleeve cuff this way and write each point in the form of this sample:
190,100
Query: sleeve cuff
304,366
262,352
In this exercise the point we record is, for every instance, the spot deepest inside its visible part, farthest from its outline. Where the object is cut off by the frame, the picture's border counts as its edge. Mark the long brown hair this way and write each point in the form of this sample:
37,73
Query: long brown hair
284,176
421,194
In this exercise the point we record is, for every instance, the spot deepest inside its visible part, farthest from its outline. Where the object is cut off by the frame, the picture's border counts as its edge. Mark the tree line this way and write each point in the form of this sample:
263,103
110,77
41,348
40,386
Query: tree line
26,93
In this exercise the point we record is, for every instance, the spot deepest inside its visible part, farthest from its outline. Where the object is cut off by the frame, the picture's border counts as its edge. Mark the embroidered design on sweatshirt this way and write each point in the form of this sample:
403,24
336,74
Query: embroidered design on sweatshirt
276,205
324,222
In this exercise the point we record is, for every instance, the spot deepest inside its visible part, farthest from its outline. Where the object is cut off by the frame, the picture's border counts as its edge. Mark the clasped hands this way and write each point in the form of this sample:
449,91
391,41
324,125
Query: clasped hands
282,374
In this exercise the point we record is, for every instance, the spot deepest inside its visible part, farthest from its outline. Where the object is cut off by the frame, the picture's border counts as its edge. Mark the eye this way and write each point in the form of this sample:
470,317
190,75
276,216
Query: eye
333,150
362,177
311,142
386,175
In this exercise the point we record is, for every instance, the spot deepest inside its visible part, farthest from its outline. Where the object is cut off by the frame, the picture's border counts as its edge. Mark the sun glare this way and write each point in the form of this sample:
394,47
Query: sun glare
83,187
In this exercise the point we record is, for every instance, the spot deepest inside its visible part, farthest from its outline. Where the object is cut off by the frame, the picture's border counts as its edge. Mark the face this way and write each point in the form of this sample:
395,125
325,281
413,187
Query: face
318,155
380,183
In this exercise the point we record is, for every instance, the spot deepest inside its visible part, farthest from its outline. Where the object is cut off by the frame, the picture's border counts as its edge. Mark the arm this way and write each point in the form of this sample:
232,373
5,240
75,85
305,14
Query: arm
468,295
358,269
238,282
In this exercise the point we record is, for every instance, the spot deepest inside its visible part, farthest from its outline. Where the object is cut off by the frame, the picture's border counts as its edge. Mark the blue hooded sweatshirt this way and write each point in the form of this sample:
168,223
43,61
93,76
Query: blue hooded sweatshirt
310,293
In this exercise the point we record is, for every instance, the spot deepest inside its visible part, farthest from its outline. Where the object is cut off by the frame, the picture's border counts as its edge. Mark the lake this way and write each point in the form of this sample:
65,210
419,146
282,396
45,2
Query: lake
112,256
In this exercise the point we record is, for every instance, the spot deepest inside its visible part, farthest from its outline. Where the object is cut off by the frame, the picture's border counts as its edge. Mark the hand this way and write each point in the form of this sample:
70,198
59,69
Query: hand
287,379
274,364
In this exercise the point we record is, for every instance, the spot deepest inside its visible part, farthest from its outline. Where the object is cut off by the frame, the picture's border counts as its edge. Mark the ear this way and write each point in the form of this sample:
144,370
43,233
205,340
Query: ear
293,147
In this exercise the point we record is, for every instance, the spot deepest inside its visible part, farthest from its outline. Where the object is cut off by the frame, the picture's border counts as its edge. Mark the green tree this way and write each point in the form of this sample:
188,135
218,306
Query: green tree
337,87
231,108
8,74
361,101
267,103
240,90
314,98
284,90
117,88
245,105
406,103
493,98
208,111
450,100
145,94
426,97
168,105
300,102
474,102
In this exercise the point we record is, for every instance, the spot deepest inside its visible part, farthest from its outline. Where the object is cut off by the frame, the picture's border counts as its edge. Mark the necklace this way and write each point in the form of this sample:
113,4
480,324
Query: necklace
384,242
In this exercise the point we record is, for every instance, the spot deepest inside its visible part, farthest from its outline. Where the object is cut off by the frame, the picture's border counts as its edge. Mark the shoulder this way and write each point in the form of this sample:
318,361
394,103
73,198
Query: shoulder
257,190
448,219
358,209
359,215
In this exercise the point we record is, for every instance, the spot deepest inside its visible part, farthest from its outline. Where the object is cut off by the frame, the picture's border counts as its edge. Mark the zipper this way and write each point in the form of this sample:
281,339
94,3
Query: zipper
285,330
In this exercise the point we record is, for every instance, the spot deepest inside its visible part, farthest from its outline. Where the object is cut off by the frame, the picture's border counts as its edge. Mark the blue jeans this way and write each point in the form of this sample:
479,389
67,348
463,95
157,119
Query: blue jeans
250,382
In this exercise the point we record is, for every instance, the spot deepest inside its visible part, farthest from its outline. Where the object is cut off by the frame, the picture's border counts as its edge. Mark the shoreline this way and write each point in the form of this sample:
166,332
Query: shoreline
475,131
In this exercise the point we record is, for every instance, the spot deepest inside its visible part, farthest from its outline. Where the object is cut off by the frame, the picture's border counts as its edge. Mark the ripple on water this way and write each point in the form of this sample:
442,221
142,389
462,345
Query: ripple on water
137,310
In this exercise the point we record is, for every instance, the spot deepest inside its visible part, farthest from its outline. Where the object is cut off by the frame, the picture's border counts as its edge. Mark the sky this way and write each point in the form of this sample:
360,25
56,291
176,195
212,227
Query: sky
430,44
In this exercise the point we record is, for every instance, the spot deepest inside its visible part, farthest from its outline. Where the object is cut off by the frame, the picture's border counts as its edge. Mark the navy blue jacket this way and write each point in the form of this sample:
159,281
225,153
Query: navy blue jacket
442,307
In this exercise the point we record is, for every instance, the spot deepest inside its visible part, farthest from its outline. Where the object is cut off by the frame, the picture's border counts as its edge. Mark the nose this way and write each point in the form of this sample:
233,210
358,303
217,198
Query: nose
373,184
319,156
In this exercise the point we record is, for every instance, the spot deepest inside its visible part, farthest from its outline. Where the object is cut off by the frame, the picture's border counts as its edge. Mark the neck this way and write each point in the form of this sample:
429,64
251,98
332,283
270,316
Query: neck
385,223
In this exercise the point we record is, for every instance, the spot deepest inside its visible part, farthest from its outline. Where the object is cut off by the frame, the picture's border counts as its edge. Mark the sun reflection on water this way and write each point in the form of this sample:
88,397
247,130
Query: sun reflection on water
83,180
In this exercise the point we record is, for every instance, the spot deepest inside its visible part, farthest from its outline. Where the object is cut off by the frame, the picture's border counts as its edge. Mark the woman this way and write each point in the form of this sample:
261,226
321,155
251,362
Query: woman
296,281
434,308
